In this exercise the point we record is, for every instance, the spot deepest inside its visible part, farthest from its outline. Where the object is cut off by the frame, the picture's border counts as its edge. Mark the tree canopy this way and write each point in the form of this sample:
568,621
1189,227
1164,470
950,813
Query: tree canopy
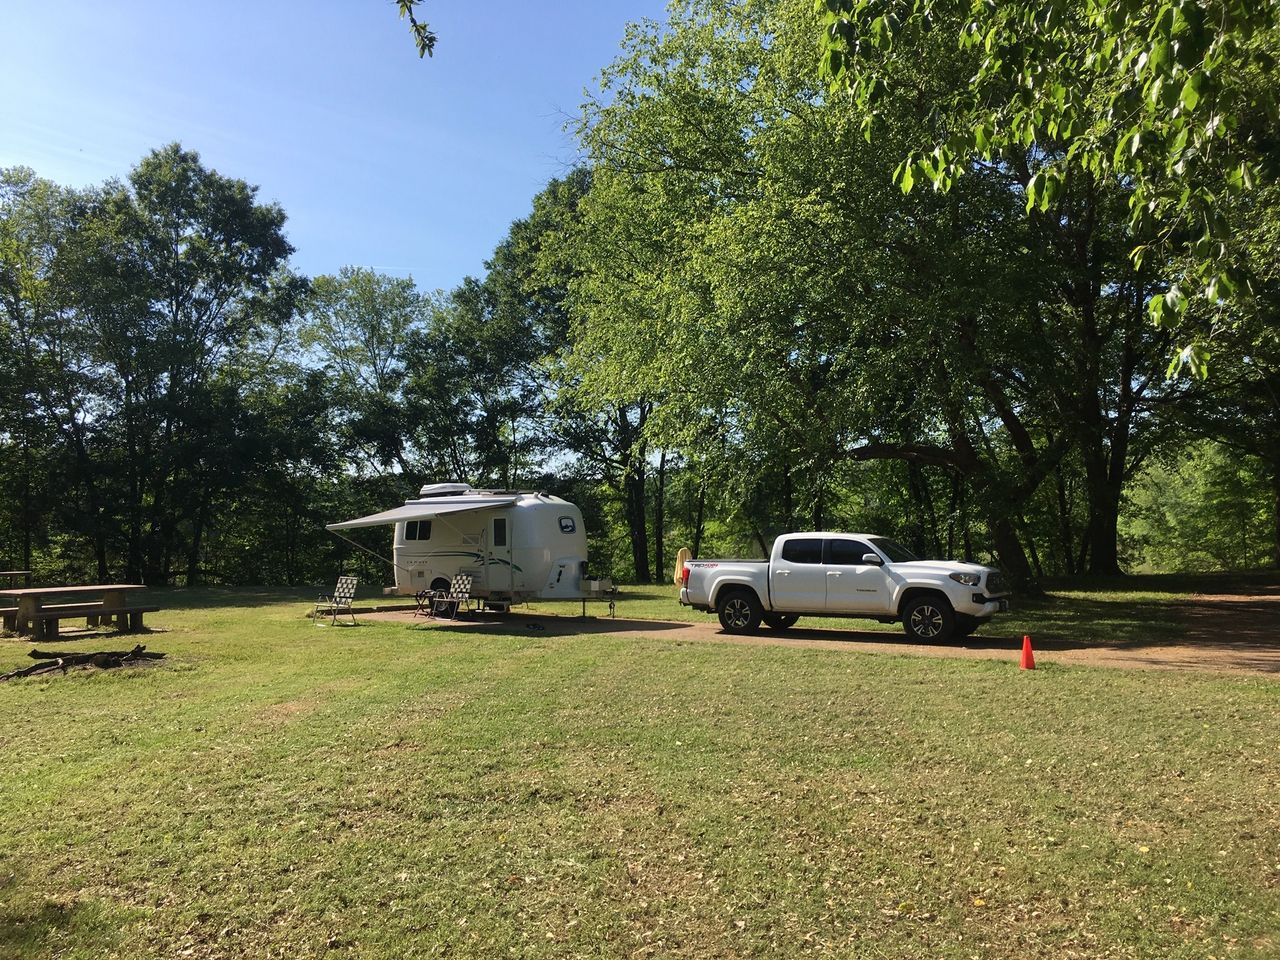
1175,100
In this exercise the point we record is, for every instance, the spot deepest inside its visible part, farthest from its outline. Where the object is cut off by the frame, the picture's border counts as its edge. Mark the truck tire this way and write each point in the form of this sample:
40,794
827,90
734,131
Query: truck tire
780,621
928,618
740,611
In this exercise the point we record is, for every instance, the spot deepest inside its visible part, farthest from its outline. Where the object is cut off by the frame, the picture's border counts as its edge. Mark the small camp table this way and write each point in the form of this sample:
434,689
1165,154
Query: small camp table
40,619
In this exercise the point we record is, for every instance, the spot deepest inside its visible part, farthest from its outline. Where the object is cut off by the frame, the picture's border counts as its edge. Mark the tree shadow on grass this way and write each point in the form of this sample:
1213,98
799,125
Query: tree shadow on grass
1242,582
898,638
547,625
33,925
1222,622
214,598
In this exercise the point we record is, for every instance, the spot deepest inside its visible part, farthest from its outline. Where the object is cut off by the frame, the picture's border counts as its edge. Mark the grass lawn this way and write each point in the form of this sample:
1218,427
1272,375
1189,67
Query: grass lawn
278,790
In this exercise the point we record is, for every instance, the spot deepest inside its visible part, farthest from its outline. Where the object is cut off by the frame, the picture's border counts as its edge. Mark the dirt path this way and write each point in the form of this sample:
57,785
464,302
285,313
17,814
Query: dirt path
1236,633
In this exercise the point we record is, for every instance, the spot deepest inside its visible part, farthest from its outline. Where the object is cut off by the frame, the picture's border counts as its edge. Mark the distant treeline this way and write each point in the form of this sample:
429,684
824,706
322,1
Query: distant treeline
730,323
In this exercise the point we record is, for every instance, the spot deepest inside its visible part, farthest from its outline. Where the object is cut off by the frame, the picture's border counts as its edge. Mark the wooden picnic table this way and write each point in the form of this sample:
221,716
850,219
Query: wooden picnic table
13,575
36,616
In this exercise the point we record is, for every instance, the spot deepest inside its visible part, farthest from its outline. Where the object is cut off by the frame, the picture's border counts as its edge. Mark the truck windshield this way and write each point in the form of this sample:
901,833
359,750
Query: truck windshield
895,551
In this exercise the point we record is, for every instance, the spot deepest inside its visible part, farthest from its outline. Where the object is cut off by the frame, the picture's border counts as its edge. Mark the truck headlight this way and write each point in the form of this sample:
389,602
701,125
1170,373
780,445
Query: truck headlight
968,579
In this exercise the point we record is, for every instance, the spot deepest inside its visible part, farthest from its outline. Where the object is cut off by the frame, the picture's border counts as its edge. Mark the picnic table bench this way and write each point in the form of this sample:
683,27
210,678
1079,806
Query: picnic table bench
40,619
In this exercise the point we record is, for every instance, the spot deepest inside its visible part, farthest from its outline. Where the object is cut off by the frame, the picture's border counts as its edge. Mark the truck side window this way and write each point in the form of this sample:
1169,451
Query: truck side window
803,550
847,553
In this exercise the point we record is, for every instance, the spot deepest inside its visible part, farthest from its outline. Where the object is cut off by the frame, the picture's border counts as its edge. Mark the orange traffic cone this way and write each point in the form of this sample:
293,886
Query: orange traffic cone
1028,657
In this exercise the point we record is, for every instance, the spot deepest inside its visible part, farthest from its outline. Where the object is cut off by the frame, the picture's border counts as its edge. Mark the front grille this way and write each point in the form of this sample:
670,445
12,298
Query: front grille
995,583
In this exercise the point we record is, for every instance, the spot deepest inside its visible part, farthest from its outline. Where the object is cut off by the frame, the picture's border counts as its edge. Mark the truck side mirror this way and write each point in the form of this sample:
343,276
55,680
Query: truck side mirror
873,558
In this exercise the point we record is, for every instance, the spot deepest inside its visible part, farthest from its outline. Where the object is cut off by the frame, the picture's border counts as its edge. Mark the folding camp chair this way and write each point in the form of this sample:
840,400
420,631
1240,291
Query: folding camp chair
344,595
446,603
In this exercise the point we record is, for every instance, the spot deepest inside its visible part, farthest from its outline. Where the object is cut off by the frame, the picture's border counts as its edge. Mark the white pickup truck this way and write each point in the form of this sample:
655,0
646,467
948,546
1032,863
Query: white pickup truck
845,575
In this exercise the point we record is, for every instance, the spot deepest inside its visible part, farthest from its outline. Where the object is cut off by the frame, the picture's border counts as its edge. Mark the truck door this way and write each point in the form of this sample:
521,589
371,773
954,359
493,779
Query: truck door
797,579
854,586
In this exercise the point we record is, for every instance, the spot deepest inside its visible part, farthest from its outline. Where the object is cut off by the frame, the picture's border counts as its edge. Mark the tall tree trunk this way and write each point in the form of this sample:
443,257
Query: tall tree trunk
88,473
953,508
634,506
1031,547
1104,516
922,499
1066,540
134,549
788,501
27,512
1275,517
699,516
197,533
659,521
1013,558
290,537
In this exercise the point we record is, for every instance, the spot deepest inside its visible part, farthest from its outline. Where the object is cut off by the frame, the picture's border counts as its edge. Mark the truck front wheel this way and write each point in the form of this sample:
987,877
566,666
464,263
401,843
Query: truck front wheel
740,612
928,619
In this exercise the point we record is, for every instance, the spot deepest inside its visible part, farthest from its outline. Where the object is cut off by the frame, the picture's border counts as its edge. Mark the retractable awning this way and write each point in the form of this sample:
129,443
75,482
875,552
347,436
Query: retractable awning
424,511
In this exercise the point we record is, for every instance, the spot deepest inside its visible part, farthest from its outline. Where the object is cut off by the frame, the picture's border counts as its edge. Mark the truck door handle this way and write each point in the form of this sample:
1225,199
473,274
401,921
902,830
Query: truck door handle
833,573
784,573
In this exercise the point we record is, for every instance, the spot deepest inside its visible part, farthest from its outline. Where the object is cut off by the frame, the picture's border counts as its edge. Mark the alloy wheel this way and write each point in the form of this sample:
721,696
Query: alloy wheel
738,612
926,621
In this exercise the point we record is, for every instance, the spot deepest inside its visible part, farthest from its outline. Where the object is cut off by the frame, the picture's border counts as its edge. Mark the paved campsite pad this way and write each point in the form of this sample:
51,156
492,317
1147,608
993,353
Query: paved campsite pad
1229,632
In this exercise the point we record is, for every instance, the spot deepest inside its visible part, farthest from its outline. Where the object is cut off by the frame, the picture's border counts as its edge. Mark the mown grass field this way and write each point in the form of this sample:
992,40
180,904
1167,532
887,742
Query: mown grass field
279,790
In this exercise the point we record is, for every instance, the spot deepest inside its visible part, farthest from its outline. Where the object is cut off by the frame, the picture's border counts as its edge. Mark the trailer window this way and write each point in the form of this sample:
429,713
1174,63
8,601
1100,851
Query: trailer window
500,532
567,525
417,530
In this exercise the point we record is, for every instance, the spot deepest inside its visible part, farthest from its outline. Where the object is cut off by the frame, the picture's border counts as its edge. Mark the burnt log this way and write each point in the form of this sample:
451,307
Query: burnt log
104,659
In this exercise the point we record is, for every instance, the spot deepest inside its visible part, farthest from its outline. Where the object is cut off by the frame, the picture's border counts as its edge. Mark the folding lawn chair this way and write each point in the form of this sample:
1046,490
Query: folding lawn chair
446,603
344,595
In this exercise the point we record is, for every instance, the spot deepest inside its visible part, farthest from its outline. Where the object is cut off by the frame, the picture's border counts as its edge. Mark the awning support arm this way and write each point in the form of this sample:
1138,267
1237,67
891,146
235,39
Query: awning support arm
360,546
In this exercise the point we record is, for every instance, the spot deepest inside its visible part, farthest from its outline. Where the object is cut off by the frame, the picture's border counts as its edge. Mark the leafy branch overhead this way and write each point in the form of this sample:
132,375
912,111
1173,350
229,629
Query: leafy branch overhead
1171,98
423,35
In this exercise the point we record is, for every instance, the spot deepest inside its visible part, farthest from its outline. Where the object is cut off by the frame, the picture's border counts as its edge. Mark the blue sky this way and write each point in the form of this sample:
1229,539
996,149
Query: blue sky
379,159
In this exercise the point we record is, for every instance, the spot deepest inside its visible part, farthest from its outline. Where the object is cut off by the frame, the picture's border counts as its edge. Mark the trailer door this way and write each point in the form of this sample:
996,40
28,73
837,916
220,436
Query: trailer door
501,572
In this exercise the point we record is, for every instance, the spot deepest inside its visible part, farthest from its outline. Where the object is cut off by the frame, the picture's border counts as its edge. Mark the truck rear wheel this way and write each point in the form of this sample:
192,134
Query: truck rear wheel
780,621
928,618
740,612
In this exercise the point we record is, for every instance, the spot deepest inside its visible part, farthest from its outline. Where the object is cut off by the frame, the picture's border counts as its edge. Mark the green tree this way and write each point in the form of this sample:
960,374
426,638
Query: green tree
359,326
744,258
44,420
171,277
1200,508
1171,97
1240,406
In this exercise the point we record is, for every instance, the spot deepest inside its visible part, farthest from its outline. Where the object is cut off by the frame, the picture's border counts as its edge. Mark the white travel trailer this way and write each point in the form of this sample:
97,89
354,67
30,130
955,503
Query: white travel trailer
516,545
